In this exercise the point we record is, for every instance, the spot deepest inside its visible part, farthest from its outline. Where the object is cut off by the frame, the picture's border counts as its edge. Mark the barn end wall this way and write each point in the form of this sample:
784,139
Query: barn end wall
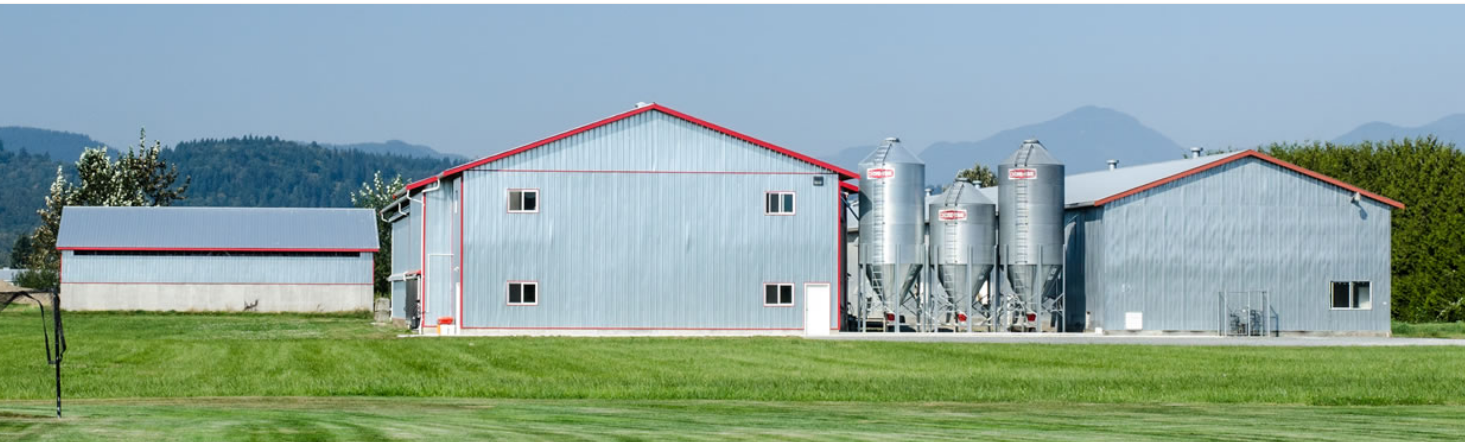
649,223
1247,225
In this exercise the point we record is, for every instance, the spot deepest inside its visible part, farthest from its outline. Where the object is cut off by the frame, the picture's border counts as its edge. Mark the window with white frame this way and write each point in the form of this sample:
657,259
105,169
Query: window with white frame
778,294
1351,295
778,203
523,293
523,200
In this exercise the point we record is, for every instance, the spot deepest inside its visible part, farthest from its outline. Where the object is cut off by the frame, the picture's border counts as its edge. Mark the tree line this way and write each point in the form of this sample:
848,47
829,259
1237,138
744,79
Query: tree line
1428,248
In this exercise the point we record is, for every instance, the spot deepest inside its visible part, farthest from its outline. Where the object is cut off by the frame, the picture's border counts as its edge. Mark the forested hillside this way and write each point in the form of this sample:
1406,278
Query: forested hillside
268,171
24,178
1428,176
60,145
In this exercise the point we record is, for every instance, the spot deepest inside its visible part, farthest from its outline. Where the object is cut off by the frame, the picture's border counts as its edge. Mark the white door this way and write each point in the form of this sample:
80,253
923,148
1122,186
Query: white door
816,309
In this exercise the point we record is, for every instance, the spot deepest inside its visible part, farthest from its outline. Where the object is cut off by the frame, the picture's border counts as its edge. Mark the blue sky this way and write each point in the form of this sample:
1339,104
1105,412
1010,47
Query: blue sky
480,79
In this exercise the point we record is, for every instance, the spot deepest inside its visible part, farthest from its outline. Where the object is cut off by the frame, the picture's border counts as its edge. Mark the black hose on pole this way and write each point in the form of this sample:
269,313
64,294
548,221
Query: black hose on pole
53,355
60,344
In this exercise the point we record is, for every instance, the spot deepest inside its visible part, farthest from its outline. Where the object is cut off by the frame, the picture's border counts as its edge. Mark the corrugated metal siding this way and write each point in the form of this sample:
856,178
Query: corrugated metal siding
1084,264
648,250
645,250
405,238
1247,225
441,272
217,227
213,269
399,300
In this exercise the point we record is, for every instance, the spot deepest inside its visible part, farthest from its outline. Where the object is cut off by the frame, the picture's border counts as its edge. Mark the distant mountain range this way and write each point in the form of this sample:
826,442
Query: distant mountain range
57,144
1086,138
1449,129
67,146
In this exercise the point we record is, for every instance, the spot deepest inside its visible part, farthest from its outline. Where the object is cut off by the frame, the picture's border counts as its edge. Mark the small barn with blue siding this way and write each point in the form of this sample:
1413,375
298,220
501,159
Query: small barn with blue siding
1191,246
217,259
649,221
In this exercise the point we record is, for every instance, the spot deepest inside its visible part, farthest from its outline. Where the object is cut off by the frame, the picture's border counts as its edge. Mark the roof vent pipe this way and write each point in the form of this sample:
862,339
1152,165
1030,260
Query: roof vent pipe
1194,152
1113,163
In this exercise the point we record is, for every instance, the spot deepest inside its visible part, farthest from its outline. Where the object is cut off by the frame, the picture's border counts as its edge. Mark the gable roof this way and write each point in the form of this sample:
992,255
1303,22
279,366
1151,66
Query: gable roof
1102,187
843,174
239,229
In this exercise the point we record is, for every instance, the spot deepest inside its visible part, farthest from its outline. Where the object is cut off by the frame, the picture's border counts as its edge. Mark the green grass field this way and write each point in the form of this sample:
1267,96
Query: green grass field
139,376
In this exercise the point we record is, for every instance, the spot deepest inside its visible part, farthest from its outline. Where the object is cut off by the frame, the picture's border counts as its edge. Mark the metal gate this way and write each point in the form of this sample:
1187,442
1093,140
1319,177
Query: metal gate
1246,314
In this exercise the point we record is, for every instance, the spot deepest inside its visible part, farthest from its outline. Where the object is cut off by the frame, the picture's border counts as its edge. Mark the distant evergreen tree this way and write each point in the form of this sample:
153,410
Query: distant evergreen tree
20,250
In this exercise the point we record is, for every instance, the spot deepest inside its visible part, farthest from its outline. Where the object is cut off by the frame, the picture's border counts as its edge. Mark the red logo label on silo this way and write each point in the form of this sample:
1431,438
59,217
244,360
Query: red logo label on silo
880,173
952,215
1022,173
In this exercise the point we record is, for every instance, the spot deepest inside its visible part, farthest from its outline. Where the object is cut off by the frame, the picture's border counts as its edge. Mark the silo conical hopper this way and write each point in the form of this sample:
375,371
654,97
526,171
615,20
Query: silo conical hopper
892,193
1030,222
962,241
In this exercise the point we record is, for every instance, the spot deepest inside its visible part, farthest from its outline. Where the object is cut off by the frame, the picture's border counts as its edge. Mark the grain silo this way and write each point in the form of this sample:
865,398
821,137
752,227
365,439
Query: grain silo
963,252
892,229
1030,225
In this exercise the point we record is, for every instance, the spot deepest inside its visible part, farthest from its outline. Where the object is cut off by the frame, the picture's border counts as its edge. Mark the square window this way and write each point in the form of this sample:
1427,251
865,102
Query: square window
523,200
1351,295
778,294
523,293
778,203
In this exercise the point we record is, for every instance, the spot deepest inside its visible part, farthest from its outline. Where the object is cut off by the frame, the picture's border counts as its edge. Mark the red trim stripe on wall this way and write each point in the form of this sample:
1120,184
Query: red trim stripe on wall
210,249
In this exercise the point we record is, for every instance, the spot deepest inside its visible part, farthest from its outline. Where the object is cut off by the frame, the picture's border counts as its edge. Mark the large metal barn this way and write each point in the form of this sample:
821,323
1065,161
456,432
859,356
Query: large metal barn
217,259
1229,243
650,221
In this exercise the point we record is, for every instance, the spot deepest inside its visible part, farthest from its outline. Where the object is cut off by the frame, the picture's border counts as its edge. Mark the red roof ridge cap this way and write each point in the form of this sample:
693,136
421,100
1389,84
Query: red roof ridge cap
844,174
1251,153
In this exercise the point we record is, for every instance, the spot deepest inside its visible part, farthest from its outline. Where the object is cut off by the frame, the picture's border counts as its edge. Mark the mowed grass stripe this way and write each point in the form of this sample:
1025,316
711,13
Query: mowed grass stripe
374,419
132,355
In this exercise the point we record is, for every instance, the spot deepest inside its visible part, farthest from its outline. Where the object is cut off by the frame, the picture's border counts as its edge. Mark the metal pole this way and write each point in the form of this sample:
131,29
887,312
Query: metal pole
971,300
860,296
60,343
895,309
58,389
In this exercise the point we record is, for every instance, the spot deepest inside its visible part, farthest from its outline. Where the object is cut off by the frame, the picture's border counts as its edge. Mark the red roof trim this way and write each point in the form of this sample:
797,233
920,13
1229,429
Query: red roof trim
210,249
420,184
849,187
1251,154
844,174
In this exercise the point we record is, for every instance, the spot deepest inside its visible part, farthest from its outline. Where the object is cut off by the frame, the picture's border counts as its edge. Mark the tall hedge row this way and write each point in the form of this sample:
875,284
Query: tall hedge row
1428,176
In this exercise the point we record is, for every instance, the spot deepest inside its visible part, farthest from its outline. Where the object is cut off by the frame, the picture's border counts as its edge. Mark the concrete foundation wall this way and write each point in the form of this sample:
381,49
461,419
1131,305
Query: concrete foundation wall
216,297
